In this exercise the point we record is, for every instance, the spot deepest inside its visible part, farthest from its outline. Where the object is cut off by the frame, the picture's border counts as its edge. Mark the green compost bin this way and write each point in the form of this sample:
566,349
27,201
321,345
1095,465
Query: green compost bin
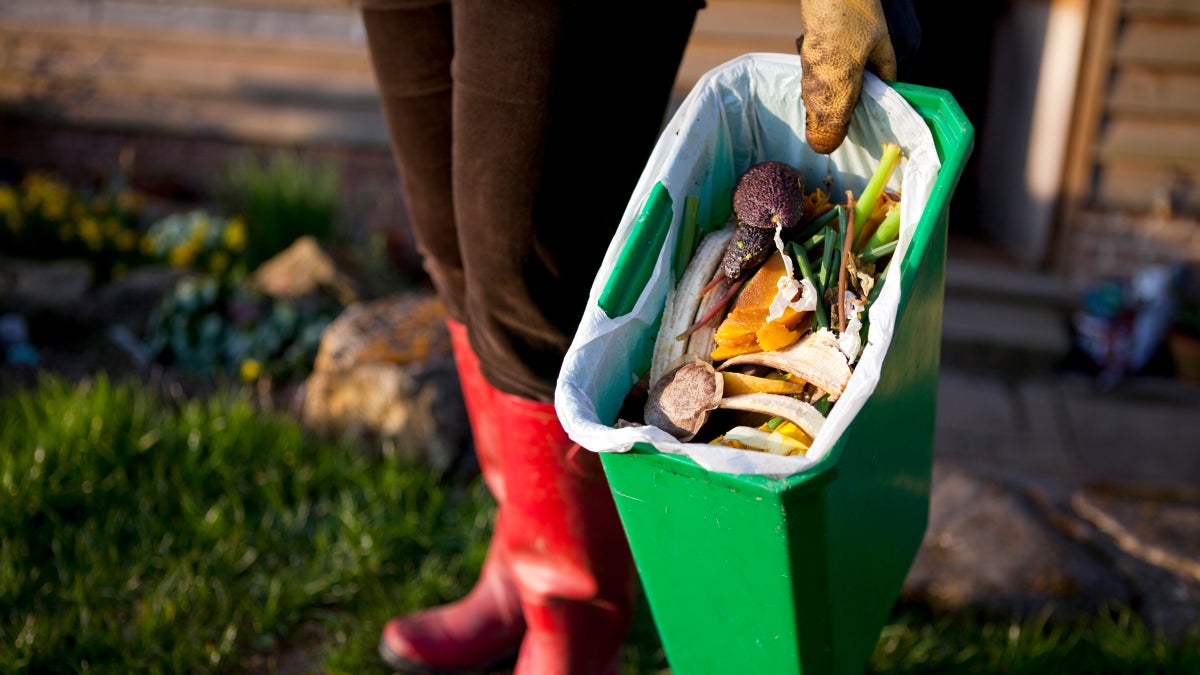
754,574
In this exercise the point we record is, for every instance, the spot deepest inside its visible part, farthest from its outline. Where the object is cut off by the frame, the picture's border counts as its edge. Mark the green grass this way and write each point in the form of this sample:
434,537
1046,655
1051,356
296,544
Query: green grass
142,534
1110,642
160,534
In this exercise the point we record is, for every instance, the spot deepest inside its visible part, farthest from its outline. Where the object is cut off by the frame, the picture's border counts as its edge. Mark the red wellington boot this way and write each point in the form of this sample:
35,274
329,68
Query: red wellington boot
566,547
482,631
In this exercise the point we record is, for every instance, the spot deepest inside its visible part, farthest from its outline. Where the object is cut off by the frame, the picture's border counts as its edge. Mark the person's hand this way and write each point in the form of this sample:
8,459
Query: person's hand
841,39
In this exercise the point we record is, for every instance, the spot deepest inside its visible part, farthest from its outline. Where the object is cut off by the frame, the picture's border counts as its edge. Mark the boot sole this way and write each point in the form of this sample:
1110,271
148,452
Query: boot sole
502,664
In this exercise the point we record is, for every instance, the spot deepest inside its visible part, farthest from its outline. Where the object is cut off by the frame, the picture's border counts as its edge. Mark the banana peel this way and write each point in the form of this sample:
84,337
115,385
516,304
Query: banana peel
816,358
686,302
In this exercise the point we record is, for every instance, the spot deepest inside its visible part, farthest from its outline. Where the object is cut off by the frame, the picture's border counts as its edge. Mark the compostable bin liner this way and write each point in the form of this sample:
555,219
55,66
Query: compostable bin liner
745,111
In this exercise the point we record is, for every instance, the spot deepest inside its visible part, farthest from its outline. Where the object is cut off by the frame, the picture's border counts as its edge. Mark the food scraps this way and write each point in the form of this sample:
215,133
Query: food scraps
769,317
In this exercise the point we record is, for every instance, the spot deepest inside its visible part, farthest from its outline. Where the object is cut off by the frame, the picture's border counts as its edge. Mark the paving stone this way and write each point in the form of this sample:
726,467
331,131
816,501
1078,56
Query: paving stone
974,404
1124,439
987,547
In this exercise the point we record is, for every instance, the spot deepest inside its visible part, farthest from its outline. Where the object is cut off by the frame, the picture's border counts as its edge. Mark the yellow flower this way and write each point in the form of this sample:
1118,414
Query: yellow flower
146,245
89,232
54,207
125,240
218,263
183,254
234,236
8,200
111,227
251,370
200,229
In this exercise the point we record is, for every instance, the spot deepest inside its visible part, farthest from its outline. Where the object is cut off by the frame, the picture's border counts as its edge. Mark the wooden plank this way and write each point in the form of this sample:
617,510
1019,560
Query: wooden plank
1089,111
109,74
253,4
726,29
1143,189
1149,92
1149,141
328,23
750,20
286,124
1161,43
1181,9
81,69
183,43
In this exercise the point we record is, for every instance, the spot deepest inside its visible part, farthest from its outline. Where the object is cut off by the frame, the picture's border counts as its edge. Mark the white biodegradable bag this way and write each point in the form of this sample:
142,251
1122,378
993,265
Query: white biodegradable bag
745,111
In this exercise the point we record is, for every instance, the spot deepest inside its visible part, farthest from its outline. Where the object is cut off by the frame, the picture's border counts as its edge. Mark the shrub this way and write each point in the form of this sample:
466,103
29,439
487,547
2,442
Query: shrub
44,218
219,326
200,241
280,198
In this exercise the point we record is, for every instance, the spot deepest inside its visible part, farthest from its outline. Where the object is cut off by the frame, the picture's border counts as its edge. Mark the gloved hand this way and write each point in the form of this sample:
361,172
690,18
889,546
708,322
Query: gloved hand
841,39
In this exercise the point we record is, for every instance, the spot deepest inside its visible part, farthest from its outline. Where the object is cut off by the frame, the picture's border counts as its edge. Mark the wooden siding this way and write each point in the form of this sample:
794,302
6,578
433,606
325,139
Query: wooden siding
1136,154
274,71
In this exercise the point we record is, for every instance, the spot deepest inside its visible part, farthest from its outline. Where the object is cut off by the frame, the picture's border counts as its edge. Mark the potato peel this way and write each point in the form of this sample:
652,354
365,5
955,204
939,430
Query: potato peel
681,401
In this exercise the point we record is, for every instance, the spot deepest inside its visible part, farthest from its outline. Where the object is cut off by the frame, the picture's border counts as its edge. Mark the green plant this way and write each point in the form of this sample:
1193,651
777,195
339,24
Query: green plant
1112,640
146,534
220,326
281,198
155,534
44,218
200,241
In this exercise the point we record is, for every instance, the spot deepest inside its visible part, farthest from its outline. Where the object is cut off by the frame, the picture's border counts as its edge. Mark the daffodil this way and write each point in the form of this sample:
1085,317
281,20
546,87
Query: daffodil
8,200
89,232
183,254
125,240
234,236
250,370
54,208
218,262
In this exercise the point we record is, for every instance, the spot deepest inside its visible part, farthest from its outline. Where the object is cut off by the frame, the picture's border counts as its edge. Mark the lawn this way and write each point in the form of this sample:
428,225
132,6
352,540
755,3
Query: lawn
152,532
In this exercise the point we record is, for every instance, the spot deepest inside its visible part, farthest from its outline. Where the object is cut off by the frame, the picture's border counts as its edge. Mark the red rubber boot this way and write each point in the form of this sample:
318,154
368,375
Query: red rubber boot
566,547
482,631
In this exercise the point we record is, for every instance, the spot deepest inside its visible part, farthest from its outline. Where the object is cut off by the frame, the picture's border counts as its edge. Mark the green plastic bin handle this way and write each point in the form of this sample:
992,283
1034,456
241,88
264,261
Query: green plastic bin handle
635,264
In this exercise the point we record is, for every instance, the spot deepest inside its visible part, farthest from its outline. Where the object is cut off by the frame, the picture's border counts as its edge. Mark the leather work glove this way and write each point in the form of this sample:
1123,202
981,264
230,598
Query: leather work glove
840,39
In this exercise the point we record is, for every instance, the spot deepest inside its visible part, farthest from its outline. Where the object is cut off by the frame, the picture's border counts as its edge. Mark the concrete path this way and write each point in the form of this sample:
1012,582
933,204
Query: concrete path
1049,490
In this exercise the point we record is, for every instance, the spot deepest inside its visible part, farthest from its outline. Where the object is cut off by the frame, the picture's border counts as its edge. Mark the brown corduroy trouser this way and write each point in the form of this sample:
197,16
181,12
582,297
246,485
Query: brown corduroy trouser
520,128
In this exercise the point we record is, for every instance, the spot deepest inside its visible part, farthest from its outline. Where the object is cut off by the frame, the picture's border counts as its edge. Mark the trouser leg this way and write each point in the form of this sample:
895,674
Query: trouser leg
557,106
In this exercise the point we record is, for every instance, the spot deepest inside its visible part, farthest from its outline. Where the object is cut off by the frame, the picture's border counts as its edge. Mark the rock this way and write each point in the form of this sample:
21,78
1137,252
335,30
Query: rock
14,329
385,372
55,287
304,268
129,301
